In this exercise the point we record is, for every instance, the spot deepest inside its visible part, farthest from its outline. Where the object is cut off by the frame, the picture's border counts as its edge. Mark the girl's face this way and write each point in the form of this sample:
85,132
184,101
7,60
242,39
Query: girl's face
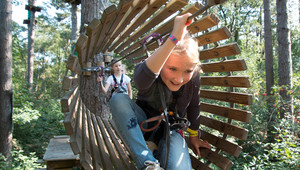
117,67
178,70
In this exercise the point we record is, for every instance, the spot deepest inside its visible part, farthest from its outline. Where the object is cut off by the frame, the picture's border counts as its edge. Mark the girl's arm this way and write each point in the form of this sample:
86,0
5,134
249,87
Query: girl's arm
129,90
156,61
103,88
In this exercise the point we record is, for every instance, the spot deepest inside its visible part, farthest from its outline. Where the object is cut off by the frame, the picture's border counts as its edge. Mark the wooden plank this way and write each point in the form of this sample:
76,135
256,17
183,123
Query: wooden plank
214,36
69,82
223,127
106,21
167,26
215,158
91,32
59,150
81,49
170,8
85,154
69,121
220,51
225,81
103,148
231,113
76,138
146,13
224,66
67,99
123,7
224,145
115,137
135,8
97,163
73,64
114,147
198,165
204,23
137,60
233,97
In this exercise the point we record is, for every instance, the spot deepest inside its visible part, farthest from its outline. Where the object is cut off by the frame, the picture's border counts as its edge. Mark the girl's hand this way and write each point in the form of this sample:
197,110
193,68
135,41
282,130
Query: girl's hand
196,143
180,24
99,79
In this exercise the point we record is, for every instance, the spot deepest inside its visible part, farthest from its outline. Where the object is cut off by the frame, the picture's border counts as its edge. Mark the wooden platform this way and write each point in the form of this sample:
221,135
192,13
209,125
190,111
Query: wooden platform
59,154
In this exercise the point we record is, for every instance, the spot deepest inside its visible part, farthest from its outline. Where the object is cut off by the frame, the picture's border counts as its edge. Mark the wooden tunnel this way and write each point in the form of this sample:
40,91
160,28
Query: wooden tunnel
120,31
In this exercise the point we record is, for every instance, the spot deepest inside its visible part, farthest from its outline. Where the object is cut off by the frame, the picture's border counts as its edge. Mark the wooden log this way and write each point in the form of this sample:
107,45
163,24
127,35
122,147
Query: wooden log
231,113
224,145
224,66
225,81
225,128
73,64
220,51
233,97
67,99
214,36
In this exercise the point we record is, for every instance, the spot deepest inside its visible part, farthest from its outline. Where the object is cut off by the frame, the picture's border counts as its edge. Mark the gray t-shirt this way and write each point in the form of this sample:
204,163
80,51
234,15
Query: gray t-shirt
188,103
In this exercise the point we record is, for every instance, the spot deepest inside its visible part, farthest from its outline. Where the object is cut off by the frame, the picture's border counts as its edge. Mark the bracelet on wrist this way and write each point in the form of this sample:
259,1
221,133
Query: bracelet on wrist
174,39
192,132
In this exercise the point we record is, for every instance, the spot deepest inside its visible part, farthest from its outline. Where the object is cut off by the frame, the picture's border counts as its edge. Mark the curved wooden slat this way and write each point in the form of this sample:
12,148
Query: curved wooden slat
220,161
224,66
135,8
222,144
225,81
68,98
204,23
220,51
166,26
214,36
76,137
231,113
70,121
73,64
106,20
168,10
145,14
226,128
233,97
81,49
123,7
198,165
69,82
91,32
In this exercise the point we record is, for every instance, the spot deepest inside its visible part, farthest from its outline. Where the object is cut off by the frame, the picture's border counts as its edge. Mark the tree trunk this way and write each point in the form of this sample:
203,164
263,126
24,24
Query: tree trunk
30,50
90,91
74,21
6,94
284,55
268,47
269,67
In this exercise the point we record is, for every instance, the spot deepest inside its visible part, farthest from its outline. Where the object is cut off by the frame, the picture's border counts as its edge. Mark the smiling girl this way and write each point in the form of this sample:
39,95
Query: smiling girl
174,68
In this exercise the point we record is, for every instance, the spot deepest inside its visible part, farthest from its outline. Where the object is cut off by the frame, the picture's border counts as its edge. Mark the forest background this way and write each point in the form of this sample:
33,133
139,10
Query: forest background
273,139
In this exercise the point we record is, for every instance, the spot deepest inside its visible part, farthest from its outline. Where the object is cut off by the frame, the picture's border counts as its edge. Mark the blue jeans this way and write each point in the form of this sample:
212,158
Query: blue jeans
127,116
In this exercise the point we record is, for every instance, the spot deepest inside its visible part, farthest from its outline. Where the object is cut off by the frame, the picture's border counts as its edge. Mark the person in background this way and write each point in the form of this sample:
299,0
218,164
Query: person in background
118,80
174,70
